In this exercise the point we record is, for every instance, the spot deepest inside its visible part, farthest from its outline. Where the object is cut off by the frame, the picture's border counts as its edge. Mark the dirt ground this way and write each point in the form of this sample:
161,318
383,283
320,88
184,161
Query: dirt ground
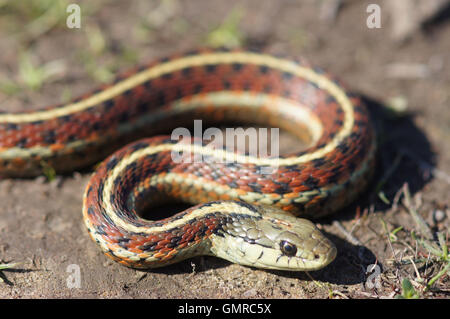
44,62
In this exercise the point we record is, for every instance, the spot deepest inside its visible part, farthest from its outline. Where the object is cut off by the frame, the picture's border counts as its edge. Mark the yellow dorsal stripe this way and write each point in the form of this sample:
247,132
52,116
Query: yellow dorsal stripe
178,64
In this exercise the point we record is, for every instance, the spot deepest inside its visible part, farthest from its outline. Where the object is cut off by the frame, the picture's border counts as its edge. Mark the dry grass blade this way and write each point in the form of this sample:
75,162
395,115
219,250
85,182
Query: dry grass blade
423,227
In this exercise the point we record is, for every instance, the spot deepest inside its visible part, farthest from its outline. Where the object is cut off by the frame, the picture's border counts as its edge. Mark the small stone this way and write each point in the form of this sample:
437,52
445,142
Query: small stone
40,179
250,293
439,216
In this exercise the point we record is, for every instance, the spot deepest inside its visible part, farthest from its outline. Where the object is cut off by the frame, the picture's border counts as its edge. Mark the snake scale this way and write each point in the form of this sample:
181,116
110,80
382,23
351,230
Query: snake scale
241,213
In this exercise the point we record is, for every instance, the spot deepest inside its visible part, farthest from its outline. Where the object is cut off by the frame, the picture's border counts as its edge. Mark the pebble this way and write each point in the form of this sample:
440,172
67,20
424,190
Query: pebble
40,179
439,216
250,293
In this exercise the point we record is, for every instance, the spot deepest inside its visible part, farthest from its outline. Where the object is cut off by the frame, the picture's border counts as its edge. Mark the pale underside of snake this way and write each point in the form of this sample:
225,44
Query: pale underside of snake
244,214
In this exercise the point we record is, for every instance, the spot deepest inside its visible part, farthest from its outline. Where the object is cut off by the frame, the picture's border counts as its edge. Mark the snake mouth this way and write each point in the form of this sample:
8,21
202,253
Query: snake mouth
323,253
286,263
309,260
324,260
290,244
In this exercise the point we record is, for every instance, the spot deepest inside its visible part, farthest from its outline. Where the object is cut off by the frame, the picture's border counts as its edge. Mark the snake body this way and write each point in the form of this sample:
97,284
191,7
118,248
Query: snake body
242,214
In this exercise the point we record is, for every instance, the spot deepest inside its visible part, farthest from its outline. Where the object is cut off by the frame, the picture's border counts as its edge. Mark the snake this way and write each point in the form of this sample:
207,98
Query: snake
248,209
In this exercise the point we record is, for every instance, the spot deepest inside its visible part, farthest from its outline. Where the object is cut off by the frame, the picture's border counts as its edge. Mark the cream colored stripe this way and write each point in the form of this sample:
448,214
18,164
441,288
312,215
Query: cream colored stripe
205,184
223,206
178,64
288,108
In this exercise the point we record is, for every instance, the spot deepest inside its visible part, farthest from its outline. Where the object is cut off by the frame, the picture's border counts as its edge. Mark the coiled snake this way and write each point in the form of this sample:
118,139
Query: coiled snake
245,215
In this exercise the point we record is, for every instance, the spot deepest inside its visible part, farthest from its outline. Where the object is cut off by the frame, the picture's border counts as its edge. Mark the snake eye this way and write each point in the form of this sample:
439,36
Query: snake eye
287,248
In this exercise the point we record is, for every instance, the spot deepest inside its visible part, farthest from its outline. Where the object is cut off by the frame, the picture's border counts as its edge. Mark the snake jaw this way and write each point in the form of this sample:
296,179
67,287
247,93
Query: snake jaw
313,250
263,242
309,248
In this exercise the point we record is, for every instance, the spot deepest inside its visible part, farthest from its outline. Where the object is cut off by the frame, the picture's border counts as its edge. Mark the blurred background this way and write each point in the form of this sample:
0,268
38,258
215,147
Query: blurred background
398,62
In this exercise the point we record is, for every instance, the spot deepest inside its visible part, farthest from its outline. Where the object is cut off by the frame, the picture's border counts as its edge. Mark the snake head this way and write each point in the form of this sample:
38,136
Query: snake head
276,240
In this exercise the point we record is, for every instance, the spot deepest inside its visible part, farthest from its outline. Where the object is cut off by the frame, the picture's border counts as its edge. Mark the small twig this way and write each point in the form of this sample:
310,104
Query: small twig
396,199
7,266
415,269
389,239
353,240
329,10
337,292
423,227
407,70
313,280
358,221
